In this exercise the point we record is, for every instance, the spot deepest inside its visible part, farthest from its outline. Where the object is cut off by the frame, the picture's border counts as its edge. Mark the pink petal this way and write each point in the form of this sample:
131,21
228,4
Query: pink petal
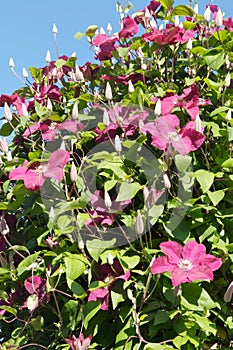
31,284
161,264
212,262
101,294
33,128
194,252
179,276
33,180
19,173
200,272
173,250
71,125
56,164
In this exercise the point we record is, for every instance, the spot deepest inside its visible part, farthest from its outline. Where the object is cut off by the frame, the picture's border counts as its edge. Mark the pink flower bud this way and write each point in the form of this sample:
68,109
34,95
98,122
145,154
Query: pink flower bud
3,146
219,18
207,14
73,173
108,92
139,223
75,111
228,295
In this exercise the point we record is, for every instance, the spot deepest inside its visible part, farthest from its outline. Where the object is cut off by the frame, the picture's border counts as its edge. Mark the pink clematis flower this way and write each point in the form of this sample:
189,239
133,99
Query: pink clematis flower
14,100
228,23
186,263
165,134
106,45
36,287
48,128
108,274
169,36
79,343
35,174
129,28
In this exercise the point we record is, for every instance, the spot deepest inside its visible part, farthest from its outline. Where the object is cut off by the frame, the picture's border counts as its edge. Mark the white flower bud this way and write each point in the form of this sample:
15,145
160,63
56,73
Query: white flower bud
219,18
147,13
78,74
25,73
24,110
161,26
189,44
73,173
74,54
49,105
4,228
110,259
107,200
176,21
207,14
55,30
102,31
81,244
106,119
75,110
228,80
48,57
196,9
11,63
166,181
51,214
9,156
198,126
7,112
139,223
228,295
117,144
3,145
158,108
108,92
130,87
144,66
109,28
228,115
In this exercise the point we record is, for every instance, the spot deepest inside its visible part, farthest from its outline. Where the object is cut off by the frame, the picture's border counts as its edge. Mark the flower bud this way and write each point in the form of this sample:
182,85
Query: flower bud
176,21
139,223
74,54
207,14
107,200
24,110
189,44
228,80
109,28
9,156
4,228
75,111
55,30
228,115
7,112
158,108
25,73
3,145
49,105
219,18
11,63
106,119
110,259
108,92
78,74
48,57
130,87
198,126
196,9
117,144
228,295
73,173
102,31
51,214
161,26
147,13
81,244
166,181
144,66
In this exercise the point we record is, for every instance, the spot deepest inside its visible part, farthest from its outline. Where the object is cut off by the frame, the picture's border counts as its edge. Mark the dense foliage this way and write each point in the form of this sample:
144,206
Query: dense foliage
116,189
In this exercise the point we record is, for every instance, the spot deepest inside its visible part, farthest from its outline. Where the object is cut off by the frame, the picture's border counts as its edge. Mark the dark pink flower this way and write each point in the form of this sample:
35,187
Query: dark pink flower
165,134
79,343
108,274
186,263
124,79
169,35
44,92
130,28
228,23
106,45
13,100
36,287
35,174
48,128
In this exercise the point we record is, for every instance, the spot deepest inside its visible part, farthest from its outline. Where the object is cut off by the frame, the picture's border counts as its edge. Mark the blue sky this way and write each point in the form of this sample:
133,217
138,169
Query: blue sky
26,30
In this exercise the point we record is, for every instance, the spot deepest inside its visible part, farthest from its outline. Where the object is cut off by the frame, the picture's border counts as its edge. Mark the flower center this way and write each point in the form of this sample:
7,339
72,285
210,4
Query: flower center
41,168
185,264
173,136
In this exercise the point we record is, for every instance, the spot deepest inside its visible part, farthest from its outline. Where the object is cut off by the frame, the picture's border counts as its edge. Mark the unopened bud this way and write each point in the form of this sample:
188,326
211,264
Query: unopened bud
9,156
189,44
7,112
158,108
107,200
207,14
25,73
74,54
11,63
176,21
130,87
109,28
55,30
228,295
48,57
51,214
110,259
144,66
49,105
106,119
228,80
117,144
219,18
73,173
139,223
81,244
24,110
161,26
198,126
108,92
102,31
228,115
195,9
75,110
3,226
166,181
78,74
3,145
147,13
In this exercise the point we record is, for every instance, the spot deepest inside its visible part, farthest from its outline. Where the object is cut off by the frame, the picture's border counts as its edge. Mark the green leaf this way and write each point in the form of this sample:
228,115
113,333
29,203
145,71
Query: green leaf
79,35
38,323
216,196
3,206
230,133
205,324
182,162
75,266
154,213
76,288
205,179
25,263
116,298
215,59
228,163
96,247
183,10
161,317
60,63
90,309
129,262
167,4
196,298
108,185
128,191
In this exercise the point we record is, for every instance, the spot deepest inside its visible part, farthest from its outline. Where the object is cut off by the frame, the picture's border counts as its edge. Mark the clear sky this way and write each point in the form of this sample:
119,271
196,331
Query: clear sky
26,30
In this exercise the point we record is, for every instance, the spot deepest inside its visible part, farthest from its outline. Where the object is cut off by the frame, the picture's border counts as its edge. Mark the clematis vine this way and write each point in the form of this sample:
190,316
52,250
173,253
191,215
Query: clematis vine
108,274
186,263
165,134
35,174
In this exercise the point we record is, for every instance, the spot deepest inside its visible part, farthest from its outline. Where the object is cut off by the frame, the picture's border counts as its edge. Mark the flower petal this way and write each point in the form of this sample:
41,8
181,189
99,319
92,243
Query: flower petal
194,252
173,250
161,264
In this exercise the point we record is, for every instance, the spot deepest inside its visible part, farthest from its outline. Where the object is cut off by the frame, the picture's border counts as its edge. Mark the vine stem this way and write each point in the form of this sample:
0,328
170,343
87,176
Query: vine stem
32,344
